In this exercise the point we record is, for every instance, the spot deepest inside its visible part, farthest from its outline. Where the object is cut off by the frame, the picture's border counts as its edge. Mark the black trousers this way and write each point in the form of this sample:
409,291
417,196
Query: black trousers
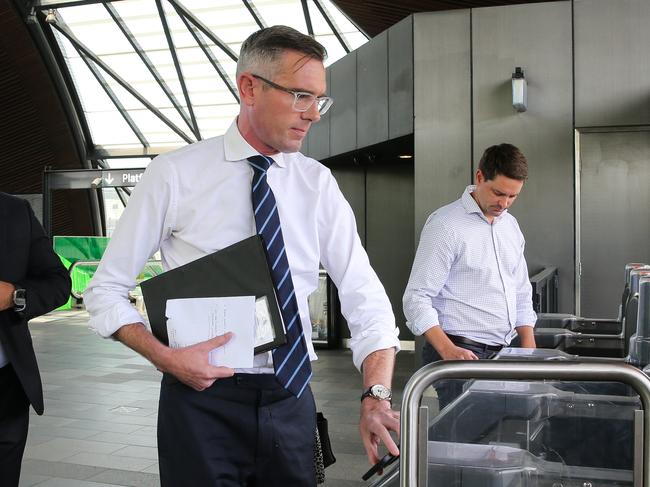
245,430
14,422
450,389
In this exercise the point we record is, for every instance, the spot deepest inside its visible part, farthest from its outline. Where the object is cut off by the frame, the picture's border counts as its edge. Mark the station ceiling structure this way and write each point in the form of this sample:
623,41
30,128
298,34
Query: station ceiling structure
99,84
375,16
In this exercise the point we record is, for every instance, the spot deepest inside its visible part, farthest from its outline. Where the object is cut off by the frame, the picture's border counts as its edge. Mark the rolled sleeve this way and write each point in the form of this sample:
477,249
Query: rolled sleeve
421,322
526,316
145,222
364,303
431,266
110,310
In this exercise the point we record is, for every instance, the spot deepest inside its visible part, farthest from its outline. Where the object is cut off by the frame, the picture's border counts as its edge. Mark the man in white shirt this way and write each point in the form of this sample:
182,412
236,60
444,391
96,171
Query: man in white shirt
469,292
219,426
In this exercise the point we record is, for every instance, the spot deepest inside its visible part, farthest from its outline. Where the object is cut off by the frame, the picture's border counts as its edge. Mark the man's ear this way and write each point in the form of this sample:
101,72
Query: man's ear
479,177
245,84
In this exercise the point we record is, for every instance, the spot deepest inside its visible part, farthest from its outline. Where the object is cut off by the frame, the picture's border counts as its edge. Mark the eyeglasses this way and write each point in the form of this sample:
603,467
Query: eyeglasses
302,101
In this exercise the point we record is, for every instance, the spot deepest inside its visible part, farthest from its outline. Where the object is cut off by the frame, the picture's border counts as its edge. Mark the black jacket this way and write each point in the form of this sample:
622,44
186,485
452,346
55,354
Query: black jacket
27,260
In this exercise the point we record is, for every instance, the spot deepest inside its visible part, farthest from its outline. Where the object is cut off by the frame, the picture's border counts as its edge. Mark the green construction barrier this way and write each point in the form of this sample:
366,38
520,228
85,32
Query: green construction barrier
83,254
75,249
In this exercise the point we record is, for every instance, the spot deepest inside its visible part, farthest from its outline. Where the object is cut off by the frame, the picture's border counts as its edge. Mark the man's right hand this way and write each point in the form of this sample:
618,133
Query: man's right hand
190,364
457,353
445,347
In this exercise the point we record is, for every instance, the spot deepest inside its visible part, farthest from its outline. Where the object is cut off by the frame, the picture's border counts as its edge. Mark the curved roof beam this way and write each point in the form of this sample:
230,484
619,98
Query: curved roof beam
178,67
330,21
256,15
114,98
305,10
183,11
210,55
147,62
63,29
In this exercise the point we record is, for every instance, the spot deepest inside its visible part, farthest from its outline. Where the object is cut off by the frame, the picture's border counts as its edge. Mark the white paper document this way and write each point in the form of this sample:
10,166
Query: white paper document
194,320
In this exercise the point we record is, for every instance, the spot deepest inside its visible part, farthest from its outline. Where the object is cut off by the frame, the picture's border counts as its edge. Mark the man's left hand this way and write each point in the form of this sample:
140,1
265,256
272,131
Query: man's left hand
377,420
6,295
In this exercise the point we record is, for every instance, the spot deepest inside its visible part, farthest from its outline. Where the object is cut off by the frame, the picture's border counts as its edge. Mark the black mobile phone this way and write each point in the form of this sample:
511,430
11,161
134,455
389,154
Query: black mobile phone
380,465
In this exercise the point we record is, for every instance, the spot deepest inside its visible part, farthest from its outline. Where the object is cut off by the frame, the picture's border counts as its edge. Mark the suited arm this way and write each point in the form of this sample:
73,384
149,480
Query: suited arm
47,281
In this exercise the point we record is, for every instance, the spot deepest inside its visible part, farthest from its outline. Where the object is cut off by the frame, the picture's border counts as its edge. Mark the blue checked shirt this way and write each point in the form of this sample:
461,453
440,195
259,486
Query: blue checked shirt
470,276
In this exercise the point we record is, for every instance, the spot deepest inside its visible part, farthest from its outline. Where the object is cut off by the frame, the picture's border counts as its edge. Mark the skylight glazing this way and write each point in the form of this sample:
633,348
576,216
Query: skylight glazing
158,74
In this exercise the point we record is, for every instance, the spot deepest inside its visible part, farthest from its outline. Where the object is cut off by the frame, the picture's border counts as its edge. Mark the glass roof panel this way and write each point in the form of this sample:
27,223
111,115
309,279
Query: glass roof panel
215,119
344,24
283,12
93,26
128,162
156,131
213,104
104,121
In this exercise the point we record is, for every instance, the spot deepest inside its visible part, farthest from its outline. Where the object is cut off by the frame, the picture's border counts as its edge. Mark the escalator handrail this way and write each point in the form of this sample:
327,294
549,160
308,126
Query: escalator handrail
512,370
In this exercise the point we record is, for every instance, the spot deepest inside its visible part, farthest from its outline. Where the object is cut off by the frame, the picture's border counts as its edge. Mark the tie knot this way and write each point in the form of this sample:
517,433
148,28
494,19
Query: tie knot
260,163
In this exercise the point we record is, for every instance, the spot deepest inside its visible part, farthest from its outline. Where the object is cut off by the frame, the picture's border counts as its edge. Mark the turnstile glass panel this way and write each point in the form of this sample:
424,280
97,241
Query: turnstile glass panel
524,433
530,433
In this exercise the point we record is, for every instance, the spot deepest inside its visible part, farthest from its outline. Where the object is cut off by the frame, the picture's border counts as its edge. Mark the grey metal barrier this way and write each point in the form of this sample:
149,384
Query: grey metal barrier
413,457
545,290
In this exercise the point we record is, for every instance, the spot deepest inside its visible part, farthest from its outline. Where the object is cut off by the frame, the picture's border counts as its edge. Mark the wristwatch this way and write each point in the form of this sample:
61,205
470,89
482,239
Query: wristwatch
20,303
379,392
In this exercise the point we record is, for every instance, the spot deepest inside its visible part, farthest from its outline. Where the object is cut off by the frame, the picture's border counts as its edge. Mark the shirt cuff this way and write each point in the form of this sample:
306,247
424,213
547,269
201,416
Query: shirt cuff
107,323
527,319
364,346
424,321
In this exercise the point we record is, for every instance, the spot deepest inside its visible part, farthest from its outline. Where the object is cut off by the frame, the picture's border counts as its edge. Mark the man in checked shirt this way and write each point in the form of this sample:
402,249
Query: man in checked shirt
469,292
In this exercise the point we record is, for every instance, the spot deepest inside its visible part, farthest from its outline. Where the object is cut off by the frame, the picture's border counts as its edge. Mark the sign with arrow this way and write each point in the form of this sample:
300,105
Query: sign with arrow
121,177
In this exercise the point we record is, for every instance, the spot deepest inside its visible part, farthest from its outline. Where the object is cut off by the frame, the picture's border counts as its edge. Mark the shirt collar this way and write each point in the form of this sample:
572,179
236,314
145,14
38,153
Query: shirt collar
471,206
237,149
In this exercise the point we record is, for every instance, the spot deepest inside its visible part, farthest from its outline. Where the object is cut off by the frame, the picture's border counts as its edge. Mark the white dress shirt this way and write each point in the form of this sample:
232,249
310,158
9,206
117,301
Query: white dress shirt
470,276
197,200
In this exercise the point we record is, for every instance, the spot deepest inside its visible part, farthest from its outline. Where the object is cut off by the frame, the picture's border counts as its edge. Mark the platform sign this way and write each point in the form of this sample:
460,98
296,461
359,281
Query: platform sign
121,177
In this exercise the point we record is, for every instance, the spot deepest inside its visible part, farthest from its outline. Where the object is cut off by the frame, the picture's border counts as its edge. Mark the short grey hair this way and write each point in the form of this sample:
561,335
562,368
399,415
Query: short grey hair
261,51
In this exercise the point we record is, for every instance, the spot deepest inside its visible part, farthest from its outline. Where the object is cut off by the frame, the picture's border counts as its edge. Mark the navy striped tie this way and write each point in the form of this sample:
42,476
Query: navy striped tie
291,360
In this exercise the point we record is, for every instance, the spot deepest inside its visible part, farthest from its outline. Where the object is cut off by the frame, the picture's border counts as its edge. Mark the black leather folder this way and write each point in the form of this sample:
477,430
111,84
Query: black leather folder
238,270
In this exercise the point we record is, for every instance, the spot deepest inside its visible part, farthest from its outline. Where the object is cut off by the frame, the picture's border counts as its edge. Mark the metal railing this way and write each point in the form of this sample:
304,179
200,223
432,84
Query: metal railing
153,267
545,290
413,457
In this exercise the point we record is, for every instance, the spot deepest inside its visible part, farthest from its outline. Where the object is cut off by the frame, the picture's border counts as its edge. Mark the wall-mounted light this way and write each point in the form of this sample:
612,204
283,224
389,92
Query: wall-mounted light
406,156
519,95
50,18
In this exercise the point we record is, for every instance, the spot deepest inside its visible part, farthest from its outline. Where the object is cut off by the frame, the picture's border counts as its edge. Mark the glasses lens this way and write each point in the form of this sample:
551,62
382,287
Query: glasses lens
324,104
303,101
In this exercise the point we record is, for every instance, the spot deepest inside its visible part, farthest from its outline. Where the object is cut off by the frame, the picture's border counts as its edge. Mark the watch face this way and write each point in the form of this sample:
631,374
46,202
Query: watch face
19,299
380,392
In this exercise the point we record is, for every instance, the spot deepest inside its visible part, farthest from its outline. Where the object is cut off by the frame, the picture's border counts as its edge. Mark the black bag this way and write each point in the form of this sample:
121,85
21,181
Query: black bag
323,456
326,446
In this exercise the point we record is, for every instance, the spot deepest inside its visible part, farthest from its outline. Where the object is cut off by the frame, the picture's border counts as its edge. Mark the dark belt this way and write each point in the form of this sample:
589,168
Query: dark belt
458,340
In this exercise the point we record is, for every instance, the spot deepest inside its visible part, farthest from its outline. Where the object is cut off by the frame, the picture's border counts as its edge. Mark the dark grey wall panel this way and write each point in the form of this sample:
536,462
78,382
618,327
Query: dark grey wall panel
319,134
372,91
343,114
352,181
612,72
389,231
536,37
442,88
400,78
